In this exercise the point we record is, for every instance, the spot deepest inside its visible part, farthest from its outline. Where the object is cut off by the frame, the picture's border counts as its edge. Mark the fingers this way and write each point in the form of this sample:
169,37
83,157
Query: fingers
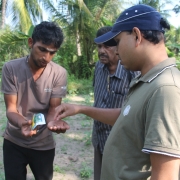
60,131
33,132
58,126
27,123
26,129
59,113
29,133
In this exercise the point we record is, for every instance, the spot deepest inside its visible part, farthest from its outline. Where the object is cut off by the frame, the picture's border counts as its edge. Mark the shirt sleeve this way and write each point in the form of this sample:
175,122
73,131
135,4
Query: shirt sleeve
8,85
162,124
60,85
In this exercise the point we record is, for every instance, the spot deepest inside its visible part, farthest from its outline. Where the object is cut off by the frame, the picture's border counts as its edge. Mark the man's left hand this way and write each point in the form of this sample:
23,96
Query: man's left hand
58,126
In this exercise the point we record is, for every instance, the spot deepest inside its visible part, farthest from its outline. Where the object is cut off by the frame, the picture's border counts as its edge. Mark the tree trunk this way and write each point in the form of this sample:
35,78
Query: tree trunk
4,2
78,44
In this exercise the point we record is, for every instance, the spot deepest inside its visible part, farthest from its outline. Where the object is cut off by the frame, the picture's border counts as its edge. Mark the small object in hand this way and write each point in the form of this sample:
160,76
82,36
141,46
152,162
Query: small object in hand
37,120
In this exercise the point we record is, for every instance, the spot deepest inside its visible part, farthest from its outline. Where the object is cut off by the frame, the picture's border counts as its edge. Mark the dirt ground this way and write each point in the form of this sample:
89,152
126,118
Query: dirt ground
74,150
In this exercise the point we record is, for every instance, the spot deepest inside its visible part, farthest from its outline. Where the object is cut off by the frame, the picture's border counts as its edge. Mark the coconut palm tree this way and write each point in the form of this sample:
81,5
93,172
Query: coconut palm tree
22,13
80,20
3,7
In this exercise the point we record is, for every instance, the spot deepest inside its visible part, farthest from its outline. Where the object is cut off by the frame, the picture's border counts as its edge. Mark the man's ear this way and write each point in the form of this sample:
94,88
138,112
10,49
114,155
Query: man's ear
137,35
30,42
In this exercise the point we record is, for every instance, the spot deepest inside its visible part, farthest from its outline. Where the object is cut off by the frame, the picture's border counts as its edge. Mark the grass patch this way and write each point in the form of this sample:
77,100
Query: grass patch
57,169
79,86
85,171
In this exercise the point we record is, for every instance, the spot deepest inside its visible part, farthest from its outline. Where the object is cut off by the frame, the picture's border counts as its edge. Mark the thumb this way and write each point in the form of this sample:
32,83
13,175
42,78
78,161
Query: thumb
29,122
66,125
59,114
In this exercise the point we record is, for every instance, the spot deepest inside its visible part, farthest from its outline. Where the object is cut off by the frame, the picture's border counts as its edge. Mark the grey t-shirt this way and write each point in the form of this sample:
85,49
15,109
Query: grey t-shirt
32,97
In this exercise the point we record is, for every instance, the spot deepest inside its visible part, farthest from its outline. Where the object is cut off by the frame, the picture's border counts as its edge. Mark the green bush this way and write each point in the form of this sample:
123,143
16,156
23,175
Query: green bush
85,171
79,86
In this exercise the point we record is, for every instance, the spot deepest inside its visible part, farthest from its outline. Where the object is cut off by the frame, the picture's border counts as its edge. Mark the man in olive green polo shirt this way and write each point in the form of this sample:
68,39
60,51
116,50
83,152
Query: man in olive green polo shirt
144,142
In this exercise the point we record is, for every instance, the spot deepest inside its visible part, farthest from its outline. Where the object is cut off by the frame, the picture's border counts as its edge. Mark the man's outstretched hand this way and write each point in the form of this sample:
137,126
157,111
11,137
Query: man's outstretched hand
26,129
58,126
65,110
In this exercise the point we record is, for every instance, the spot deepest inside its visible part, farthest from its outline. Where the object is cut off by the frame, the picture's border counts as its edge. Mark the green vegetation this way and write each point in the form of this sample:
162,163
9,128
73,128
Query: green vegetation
79,21
87,138
80,86
56,168
85,171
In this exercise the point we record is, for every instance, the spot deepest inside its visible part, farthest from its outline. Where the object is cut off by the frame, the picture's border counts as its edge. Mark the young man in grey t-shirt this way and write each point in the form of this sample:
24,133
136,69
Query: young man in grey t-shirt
33,85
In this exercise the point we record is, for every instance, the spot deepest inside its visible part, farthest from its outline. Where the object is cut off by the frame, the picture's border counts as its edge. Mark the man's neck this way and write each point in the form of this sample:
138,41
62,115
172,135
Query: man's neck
36,72
112,67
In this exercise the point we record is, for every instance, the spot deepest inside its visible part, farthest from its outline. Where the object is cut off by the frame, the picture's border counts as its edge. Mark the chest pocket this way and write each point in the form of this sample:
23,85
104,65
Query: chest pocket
116,100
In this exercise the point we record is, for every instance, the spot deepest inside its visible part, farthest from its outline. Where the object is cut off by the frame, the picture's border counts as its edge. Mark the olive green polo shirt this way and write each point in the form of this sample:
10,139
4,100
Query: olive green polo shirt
149,122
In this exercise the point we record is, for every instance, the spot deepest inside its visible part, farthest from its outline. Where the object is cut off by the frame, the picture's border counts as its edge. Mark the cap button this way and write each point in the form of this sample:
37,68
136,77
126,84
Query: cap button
126,13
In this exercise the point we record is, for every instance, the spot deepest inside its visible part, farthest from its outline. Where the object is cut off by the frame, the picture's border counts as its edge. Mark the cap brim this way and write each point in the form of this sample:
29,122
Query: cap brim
106,37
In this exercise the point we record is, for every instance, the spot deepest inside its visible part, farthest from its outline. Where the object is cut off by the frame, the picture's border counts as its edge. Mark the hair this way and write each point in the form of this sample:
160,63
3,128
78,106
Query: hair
48,33
155,36
103,30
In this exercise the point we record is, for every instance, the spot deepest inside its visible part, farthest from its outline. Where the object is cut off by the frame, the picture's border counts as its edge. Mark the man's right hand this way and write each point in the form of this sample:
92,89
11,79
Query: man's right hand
65,110
15,118
26,129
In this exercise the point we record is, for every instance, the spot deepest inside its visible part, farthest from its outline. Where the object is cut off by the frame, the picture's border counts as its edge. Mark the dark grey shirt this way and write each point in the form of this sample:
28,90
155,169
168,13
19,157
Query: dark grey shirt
109,92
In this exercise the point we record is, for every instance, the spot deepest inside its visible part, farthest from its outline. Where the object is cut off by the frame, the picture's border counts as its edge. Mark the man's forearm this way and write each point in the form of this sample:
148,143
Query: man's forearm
15,118
107,116
50,117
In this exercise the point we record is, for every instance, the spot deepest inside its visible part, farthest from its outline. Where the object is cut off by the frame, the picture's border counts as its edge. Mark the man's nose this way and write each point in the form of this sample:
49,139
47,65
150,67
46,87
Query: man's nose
47,55
102,49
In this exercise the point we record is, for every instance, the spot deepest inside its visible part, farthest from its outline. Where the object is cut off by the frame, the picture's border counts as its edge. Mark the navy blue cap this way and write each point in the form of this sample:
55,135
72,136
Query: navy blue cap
141,16
111,42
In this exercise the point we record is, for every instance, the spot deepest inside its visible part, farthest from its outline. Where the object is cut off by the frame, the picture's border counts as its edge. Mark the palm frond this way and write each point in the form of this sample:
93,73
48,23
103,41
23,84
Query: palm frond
13,37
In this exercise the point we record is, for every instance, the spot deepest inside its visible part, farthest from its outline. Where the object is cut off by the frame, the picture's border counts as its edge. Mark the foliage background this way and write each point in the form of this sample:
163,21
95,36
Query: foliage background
79,20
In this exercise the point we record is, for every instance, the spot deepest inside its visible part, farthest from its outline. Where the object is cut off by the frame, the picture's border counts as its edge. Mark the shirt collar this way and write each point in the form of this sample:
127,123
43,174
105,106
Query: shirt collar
119,73
155,71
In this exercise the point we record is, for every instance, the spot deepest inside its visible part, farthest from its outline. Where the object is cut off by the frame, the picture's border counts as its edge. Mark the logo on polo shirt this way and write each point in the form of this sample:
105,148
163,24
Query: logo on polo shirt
126,110
47,90
50,90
